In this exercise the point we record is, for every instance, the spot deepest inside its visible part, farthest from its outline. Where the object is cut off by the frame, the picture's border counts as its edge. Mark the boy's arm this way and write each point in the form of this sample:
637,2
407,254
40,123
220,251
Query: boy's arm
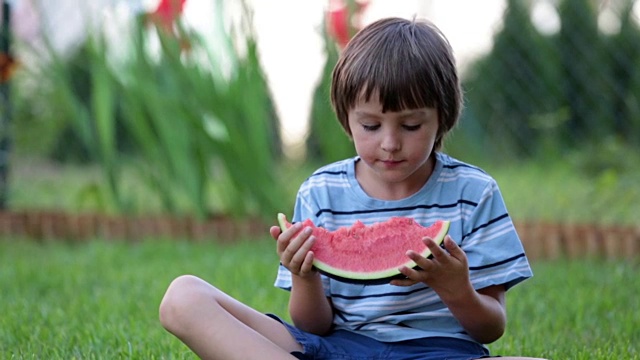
481,313
309,308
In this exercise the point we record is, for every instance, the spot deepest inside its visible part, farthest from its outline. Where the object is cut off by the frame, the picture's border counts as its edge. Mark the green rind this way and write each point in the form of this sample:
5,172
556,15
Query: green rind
282,221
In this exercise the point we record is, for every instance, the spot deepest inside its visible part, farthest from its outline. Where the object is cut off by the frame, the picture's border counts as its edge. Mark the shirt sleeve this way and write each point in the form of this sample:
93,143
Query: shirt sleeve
494,250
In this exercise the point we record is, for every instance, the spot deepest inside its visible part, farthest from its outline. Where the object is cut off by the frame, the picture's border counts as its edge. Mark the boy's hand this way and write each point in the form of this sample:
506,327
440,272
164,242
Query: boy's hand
446,272
294,249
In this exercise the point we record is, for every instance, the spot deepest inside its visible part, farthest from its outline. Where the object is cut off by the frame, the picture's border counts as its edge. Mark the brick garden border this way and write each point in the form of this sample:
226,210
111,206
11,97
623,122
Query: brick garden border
555,240
542,240
46,226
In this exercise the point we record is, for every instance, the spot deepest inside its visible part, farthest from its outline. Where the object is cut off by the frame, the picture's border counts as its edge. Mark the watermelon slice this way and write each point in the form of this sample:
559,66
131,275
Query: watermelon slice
370,254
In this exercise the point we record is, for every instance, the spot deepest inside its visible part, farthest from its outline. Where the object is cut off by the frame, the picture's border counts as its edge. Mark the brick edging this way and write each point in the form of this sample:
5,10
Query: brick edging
542,240
46,225
555,240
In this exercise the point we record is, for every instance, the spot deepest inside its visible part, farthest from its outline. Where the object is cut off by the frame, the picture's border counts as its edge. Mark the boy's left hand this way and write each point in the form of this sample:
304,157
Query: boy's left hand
446,272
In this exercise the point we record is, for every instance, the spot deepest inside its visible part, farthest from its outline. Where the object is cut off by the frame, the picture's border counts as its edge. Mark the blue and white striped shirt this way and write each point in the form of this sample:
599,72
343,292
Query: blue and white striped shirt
463,194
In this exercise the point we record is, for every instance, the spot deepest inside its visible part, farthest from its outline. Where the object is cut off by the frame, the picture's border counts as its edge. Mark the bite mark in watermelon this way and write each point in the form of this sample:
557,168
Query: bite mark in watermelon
370,254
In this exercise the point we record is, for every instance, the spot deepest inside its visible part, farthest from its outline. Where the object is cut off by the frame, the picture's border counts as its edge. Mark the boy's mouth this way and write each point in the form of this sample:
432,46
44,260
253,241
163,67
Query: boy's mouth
391,162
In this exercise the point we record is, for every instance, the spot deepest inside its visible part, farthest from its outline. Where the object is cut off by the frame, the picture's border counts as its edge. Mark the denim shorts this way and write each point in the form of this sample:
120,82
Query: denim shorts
346,345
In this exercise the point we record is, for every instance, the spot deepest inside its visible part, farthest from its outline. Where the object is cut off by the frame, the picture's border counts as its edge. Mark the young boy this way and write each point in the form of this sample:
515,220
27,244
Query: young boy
396,93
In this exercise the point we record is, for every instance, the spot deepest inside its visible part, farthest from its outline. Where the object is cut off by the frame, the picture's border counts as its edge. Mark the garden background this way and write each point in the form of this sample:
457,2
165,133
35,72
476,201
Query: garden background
126,163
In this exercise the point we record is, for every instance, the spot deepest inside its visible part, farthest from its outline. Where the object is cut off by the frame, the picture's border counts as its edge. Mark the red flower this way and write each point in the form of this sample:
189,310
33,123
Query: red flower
165,17
341,24
167,12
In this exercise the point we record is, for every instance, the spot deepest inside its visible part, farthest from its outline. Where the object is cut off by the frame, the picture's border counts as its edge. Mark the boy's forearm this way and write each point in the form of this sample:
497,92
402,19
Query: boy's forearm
309,308
481,313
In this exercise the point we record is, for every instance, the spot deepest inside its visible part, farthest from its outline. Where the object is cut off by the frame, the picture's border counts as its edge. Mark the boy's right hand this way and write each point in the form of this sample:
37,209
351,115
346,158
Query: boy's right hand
294,249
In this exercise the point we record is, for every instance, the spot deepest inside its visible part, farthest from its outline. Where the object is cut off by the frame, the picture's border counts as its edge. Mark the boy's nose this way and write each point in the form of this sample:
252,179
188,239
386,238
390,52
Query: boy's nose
390,142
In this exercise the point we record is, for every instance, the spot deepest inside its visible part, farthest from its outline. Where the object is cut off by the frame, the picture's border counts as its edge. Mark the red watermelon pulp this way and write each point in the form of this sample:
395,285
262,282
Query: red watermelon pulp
370,254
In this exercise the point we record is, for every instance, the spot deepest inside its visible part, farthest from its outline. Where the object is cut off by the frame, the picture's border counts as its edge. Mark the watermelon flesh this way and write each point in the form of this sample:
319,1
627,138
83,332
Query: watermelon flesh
370,254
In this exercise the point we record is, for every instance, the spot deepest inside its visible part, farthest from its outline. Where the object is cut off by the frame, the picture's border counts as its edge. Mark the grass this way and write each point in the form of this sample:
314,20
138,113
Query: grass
557,192
99,299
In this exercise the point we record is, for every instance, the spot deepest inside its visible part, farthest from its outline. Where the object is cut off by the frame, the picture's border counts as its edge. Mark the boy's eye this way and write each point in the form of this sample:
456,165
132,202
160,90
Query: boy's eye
411,127
370,127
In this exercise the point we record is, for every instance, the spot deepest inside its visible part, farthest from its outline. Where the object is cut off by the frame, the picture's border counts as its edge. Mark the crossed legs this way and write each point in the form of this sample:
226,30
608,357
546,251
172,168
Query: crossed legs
216,326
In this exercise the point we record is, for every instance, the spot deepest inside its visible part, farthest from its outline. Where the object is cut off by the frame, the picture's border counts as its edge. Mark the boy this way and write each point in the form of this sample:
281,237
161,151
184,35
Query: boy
396,92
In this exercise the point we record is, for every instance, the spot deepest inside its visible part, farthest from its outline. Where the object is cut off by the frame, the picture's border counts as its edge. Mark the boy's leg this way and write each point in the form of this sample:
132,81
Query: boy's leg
216,326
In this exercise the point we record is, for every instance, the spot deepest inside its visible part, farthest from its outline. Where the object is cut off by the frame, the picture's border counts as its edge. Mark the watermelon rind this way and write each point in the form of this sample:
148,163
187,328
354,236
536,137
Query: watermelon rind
377,277
282,221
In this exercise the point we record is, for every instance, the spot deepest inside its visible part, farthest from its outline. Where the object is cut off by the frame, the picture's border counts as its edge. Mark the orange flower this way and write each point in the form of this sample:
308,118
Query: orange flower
7,67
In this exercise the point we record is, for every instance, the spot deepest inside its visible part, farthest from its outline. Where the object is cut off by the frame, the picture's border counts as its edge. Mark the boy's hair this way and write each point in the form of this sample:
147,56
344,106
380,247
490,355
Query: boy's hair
409,64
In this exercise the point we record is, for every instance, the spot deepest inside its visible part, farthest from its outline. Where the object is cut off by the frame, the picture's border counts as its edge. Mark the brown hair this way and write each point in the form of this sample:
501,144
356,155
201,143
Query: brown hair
408,63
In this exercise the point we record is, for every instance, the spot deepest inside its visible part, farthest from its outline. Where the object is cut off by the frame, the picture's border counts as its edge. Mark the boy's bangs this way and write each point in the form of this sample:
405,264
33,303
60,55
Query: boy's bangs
398,97
402,82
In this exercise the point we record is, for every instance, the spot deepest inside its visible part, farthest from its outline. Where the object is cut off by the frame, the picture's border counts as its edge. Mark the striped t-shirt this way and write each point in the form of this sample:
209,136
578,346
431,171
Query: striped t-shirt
465,195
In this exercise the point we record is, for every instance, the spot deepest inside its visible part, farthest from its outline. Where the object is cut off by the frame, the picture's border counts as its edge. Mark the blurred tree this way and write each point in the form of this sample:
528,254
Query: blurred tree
538,95
586,80
511,92
626,75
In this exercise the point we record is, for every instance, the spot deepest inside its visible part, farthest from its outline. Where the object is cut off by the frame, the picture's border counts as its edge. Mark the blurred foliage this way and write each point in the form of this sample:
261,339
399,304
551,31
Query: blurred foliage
188,129
549,95
204,139
327,141
503,88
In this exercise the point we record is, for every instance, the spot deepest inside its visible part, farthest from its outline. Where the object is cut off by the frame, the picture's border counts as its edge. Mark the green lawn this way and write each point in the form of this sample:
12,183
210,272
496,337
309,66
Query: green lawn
99,300
557,192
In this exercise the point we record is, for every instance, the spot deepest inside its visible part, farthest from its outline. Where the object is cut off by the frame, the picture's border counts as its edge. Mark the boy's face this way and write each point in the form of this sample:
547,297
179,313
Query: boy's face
395,148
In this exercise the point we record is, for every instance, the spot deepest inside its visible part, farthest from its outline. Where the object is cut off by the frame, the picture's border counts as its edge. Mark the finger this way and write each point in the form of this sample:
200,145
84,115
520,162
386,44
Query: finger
306,246
307,264
453,249
403,282
437,252
420,260
415,274
275,231
293,241
297,250
285,237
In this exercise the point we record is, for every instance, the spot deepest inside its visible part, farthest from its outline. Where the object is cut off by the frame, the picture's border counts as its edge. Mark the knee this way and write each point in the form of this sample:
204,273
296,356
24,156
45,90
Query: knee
184,295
